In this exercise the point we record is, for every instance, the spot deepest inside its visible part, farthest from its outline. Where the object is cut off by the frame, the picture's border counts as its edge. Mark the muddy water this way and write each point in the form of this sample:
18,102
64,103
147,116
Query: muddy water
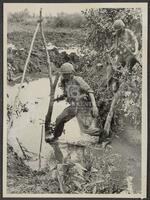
130,151
27,128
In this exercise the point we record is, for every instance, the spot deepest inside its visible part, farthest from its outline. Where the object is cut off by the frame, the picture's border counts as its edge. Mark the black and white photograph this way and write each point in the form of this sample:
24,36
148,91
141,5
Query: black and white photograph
75,100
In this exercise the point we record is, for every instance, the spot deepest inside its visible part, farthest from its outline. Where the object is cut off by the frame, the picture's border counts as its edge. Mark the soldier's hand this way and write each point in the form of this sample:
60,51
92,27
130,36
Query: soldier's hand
95,111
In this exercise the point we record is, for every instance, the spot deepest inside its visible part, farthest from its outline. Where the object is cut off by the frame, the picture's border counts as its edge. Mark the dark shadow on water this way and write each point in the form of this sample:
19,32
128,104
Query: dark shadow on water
58,153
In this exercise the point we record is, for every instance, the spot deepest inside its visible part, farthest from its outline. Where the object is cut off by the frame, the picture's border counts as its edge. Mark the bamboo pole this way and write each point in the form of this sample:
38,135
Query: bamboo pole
46,51
25,156
41,147
23,76
60,180
111,111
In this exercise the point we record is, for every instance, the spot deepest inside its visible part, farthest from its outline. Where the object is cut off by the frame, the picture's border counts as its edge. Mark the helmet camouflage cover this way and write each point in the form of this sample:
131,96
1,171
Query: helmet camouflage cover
118,24
67,68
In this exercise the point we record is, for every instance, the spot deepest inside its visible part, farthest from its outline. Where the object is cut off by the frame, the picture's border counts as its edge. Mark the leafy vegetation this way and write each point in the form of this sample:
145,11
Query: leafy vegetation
64,20
21,16
95,63
99,25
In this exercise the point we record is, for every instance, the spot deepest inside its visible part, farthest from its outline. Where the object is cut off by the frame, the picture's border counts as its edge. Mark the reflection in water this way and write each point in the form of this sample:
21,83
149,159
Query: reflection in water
57,152
63,152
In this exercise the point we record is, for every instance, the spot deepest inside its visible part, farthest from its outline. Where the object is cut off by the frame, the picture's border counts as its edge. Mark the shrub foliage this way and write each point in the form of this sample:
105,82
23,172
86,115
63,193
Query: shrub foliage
99,37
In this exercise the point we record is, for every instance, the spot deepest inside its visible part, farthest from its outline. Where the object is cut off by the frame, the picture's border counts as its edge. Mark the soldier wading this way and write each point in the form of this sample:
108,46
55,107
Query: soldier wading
75,91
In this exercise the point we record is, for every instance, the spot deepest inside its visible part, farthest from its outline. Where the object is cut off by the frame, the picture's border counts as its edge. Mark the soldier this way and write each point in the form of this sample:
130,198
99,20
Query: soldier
75,91
125,48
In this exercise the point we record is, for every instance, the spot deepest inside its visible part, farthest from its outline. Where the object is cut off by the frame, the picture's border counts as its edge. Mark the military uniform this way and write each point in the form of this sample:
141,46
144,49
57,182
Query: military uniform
125,49
76,92
126,44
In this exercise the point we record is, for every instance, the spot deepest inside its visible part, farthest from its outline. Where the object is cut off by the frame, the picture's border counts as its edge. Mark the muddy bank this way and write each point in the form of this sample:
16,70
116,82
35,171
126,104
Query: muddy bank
21,179
87,176
59,52
84,170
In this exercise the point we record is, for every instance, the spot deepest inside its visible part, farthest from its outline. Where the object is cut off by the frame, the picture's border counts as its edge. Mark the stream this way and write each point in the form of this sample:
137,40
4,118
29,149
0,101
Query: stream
27,128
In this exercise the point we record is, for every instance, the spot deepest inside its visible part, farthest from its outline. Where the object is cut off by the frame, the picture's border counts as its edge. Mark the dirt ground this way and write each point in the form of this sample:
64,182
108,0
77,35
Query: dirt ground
60,41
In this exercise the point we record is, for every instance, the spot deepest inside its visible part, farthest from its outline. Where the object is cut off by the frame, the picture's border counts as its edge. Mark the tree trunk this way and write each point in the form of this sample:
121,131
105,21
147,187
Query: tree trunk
52,85
51,103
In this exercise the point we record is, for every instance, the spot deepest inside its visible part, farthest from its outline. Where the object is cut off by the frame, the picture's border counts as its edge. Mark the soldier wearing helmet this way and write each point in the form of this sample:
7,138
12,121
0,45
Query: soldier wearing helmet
125,46
75,91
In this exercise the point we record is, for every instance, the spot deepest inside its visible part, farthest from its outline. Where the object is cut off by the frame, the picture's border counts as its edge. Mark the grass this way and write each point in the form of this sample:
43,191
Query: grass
21,35
76,177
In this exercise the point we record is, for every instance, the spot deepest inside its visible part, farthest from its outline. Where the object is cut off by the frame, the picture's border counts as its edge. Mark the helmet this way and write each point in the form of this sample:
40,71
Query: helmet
118,24
67,68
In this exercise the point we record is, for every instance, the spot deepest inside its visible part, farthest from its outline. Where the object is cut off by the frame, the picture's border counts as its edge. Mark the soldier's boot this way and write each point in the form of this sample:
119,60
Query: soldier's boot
49,132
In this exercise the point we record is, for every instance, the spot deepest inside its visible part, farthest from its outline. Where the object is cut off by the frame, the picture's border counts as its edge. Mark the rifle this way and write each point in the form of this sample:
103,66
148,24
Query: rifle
60,98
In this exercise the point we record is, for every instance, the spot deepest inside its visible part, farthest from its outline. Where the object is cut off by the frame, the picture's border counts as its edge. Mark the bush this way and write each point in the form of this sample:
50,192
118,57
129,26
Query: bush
21,16
100,21
63,20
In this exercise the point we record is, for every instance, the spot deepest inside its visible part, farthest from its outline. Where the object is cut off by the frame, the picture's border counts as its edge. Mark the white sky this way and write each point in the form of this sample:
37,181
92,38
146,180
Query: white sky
54,8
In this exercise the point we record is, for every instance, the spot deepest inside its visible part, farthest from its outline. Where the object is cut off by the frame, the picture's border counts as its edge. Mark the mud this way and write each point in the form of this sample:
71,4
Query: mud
62,47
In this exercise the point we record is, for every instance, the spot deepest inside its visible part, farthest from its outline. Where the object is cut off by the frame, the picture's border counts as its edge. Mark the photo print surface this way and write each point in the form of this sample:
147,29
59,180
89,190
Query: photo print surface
75,100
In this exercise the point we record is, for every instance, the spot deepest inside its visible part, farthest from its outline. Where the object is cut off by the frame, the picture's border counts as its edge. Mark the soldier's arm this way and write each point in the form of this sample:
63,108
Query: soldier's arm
114,46
133,37
94,106
60,98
